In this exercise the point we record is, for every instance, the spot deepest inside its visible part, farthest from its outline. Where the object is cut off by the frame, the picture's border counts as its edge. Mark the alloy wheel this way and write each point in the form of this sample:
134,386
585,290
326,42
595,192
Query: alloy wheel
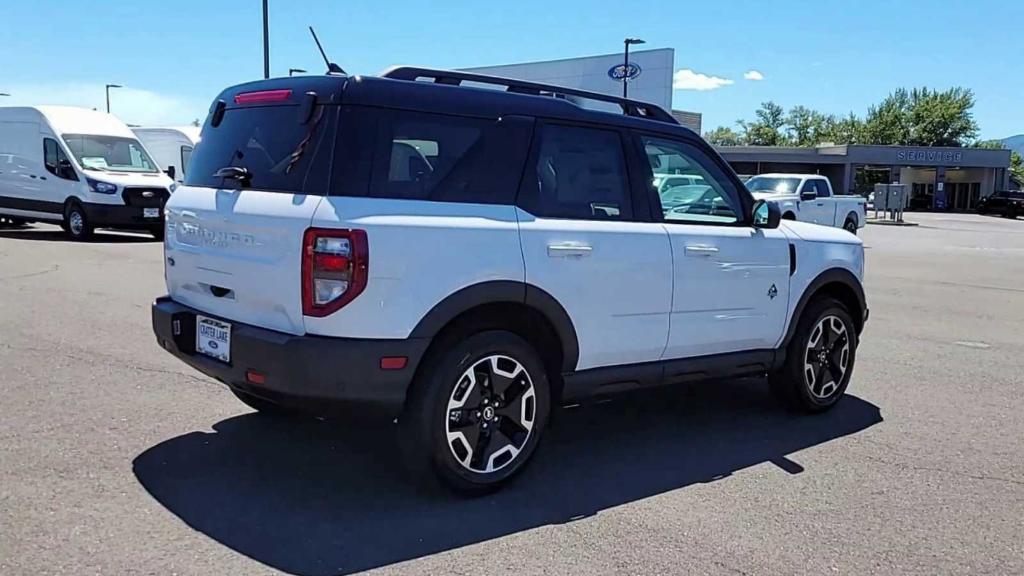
827,357
491,414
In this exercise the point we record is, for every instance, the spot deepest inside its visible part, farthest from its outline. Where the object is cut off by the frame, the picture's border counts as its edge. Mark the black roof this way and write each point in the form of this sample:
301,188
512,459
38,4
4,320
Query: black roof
451,99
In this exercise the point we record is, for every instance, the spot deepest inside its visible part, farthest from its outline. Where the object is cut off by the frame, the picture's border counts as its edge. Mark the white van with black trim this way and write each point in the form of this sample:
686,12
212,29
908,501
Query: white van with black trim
171,147
468,258
80,168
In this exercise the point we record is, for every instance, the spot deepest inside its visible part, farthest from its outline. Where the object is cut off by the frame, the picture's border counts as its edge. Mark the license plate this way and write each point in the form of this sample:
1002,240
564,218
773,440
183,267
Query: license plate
150,212
213,338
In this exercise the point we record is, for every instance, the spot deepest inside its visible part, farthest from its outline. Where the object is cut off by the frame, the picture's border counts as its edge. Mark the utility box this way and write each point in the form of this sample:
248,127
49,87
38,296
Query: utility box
891,199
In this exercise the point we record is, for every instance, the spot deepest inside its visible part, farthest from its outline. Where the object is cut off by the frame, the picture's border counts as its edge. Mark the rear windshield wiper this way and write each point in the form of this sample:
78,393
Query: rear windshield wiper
234,173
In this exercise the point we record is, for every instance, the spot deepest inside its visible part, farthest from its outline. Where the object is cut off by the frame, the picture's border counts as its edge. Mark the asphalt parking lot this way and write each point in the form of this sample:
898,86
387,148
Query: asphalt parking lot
117,459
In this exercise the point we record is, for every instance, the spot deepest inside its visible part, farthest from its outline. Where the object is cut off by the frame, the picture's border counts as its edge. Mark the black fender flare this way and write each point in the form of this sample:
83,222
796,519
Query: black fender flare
830,276
499,291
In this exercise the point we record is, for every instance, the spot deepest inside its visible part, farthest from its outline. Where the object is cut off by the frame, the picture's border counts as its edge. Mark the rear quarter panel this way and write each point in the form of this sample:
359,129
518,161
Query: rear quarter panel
419,253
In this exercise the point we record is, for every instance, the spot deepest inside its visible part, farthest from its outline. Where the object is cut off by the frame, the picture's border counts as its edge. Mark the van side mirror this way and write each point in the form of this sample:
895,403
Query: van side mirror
66,170
171,172
766,214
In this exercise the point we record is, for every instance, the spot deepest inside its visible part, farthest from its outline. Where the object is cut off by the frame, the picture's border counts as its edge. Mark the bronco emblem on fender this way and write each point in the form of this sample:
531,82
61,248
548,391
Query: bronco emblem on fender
773,292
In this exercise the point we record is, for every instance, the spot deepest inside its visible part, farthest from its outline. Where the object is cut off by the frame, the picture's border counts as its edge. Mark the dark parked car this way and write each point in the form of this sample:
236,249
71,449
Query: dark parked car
1004,202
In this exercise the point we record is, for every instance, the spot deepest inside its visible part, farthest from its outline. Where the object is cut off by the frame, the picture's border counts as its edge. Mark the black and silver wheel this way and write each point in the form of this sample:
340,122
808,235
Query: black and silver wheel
826,357
478,411
76,223
491,413
819,358
850,226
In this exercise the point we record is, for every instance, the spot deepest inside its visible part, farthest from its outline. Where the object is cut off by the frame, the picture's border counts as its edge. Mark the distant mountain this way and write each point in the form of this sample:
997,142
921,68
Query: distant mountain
1015,143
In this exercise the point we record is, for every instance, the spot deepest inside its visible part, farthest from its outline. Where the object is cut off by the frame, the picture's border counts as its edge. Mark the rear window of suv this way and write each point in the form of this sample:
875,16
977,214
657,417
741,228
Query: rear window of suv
280,153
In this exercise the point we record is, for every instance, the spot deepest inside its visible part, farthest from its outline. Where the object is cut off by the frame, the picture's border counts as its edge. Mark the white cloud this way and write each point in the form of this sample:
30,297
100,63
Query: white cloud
753,75
132,105
687,79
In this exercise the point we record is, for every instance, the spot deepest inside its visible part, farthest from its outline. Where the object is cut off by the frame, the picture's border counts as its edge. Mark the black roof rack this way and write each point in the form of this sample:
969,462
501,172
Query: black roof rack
454,78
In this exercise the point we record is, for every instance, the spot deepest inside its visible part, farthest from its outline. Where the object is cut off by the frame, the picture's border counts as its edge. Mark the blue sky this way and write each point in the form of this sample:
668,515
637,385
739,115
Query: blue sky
173,57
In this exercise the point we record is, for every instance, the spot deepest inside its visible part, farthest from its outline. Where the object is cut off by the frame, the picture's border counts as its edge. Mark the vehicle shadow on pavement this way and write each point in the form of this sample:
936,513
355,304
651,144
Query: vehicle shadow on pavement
316,498
56,235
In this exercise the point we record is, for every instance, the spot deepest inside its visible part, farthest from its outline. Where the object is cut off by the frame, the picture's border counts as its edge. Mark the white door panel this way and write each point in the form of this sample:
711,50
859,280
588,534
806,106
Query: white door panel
613,278
731,289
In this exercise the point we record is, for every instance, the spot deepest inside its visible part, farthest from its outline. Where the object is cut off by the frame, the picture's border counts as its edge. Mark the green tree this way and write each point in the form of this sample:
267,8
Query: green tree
846,130
805,127
922,117
766,130
196,123
1017,168
989,144
942,118
724,136
889,122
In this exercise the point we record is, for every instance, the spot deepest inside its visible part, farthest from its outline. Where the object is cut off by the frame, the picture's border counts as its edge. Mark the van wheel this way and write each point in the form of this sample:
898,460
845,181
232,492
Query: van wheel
789,216
76,224
850,226
476,412
819,359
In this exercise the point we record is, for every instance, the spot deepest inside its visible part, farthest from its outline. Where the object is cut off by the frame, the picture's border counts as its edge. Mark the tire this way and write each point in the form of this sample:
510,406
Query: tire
76,224
476,412
264,407
789,216
801,384
1011,213
850,226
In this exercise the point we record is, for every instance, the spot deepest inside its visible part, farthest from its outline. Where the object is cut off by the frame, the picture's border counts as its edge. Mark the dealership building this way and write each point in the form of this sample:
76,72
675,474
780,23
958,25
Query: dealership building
937,178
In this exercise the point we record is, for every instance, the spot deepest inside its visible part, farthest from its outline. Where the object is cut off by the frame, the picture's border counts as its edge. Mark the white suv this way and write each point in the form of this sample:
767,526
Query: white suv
466,258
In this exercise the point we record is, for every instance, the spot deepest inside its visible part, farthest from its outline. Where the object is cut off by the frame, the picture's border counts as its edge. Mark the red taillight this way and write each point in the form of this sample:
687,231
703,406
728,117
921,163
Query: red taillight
263,96
334,269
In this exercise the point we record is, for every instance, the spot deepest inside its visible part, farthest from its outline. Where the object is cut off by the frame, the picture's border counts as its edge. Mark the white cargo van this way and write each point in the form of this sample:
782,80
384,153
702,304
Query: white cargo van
80,168
170,147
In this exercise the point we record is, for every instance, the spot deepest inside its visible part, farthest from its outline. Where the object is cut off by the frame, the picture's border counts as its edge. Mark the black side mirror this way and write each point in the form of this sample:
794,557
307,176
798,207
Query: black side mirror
64,169
766,214
171,172
812,195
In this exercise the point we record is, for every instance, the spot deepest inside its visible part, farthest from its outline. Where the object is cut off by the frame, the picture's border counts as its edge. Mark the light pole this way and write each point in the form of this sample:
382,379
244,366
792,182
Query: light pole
266,41
625,66
296,71
108,87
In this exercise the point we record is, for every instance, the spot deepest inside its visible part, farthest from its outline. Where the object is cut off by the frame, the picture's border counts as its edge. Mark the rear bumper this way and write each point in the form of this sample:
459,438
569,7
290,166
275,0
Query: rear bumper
120,216
311,372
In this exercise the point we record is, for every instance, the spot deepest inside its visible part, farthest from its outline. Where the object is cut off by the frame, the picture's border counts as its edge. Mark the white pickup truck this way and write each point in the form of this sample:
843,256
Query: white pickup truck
809,198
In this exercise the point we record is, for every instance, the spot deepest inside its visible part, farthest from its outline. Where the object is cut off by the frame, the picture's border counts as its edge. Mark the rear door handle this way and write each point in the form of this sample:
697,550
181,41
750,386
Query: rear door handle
568,250
699,250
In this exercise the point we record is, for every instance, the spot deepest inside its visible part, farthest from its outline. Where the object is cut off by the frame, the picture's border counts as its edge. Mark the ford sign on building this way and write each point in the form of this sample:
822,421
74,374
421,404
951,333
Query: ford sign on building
649,73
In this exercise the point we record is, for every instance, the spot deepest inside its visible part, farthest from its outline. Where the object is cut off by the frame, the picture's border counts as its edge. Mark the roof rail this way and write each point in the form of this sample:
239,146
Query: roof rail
454,78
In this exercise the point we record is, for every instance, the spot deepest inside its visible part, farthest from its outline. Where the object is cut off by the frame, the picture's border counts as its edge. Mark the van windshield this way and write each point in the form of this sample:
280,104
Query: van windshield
109,153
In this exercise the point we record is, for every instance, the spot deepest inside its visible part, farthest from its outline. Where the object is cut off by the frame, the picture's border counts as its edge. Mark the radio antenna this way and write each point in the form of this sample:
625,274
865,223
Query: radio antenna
332,68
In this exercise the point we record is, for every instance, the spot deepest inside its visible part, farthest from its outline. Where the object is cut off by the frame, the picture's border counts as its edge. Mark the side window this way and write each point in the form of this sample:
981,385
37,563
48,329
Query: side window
580,173
186,157
710,199
56,161
437,157
809,186
822,187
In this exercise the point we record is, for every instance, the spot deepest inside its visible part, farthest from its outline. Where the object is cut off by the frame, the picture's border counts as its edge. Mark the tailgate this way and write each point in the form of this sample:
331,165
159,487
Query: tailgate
237,254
